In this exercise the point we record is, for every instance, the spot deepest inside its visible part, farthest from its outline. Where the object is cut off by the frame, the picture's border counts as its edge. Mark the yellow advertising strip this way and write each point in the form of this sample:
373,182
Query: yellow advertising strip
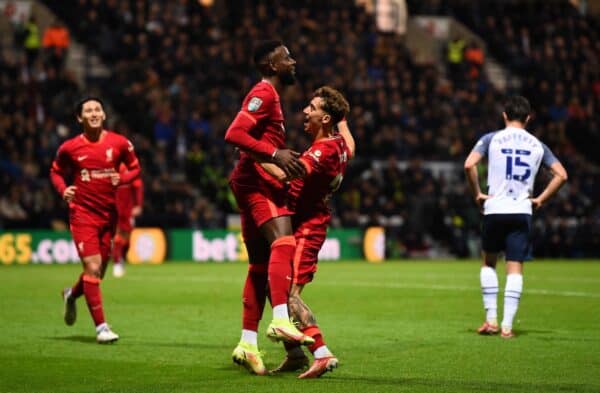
374,244
147,245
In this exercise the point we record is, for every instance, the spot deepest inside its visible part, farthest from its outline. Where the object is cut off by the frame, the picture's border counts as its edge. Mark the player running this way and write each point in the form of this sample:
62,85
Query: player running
92,159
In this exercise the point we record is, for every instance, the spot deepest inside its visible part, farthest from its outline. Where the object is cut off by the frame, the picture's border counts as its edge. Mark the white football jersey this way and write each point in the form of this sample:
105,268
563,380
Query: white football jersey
514,158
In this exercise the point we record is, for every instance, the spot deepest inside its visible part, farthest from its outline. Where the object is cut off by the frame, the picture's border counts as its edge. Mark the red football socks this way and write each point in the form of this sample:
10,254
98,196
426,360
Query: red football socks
255,295
314,332
118,249
93,298
280,269
77,289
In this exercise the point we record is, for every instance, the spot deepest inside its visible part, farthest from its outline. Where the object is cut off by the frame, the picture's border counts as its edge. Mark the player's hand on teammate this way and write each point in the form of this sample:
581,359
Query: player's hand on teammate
69,193
288,161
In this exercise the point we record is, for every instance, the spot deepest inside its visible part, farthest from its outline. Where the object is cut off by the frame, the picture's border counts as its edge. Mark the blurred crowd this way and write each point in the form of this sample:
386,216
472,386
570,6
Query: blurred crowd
180,71
554,48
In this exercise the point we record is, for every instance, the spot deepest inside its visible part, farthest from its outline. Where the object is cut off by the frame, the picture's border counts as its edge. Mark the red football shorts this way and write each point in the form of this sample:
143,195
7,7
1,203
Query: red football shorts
258,204
306,257
92,236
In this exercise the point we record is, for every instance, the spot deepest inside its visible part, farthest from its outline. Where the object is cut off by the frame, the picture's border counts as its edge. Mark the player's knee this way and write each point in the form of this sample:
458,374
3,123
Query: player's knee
94,272
93,266
288,240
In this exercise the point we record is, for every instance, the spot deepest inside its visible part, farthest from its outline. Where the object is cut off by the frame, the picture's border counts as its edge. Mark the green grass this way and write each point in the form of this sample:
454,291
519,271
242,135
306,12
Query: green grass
396,327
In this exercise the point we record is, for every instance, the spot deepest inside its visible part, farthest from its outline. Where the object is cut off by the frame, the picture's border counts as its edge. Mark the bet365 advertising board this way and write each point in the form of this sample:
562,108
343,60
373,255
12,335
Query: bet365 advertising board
154,245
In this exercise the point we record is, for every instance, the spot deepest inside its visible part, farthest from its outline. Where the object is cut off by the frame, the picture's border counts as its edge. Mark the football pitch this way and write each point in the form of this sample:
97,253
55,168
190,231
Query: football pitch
395,327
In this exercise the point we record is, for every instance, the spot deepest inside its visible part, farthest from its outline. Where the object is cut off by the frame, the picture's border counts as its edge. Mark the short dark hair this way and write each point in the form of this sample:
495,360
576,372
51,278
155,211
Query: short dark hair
334,103
517,108
79,106
262,50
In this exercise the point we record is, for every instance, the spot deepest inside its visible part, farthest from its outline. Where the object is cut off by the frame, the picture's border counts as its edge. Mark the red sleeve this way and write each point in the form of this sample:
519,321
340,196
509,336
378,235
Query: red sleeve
59,167
311,159
138,192
132,163
257,106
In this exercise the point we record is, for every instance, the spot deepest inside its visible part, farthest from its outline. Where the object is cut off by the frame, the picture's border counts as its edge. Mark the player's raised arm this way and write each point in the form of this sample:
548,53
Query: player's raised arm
344,131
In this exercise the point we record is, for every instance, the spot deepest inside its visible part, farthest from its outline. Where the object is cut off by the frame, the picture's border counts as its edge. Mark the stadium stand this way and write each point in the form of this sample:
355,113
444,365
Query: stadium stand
179,71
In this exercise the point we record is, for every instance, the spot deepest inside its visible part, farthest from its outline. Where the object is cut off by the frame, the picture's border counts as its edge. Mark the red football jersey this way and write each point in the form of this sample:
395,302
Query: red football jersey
326,162
263,107
91,165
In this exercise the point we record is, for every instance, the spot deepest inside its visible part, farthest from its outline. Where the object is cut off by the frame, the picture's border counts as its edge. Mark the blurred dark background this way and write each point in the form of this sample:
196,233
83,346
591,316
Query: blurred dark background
425,79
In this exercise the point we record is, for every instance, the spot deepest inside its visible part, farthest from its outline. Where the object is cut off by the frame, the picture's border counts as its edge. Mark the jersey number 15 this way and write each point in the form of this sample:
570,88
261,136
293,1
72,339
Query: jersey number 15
513,159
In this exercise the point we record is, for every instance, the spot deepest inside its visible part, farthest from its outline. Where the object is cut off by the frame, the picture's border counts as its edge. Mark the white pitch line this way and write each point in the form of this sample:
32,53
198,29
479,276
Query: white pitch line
457,288
367,284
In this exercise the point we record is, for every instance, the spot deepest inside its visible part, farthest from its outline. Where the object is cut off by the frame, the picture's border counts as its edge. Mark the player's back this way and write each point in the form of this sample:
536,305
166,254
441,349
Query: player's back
514,158
327,159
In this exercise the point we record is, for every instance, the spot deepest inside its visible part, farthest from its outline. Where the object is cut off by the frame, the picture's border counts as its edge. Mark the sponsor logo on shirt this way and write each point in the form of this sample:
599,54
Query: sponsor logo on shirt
87,175
254,104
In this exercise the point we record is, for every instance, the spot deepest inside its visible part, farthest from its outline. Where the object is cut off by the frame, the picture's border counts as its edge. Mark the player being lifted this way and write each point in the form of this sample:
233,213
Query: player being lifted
129,200
92,159
325,161
258,130
514,157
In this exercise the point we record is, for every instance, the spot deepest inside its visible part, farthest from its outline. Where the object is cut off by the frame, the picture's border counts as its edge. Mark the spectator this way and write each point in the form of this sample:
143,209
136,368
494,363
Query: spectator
56,43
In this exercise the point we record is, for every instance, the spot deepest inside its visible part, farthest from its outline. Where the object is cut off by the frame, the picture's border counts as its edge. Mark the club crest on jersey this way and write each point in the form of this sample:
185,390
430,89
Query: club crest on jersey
315,155
109,154
254,104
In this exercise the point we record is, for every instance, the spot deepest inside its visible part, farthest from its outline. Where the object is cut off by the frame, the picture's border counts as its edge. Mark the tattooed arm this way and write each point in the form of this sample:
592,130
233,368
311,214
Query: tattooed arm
299,310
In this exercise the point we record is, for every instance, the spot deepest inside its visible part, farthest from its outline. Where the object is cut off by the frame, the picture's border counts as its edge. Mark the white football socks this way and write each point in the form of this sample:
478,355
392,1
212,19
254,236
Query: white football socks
512,295
322,352
489,290
101,327
250,337
281,311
